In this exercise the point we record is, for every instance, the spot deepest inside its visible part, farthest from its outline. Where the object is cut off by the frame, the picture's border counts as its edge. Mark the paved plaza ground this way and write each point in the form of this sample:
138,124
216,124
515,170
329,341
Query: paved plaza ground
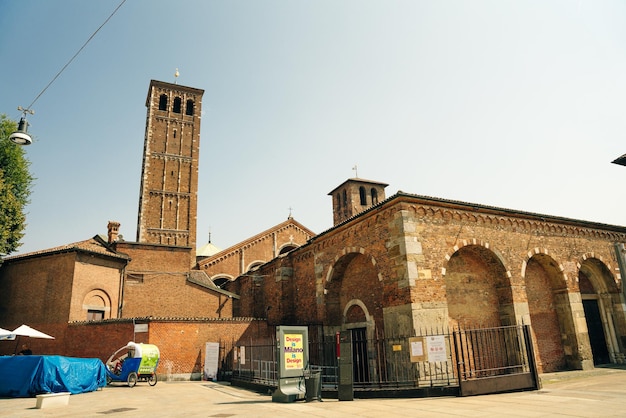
597,393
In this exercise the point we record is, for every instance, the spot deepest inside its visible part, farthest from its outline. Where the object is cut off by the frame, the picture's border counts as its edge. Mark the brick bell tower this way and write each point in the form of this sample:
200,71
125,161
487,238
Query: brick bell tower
168,197
355,195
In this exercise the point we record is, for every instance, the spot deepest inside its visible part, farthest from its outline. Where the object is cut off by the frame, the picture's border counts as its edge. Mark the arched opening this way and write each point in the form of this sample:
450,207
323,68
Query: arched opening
163,102
478,290
362,196
374,194
599,294
189,108
550,313
285,249
220,281
177,105
354,277
97,305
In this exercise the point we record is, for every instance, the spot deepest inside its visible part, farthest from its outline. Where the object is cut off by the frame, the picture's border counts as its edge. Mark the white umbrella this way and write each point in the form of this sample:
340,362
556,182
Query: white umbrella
27,331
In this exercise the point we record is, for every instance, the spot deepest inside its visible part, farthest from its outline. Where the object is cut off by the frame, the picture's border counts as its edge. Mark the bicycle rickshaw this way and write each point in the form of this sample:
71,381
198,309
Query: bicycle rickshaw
133,362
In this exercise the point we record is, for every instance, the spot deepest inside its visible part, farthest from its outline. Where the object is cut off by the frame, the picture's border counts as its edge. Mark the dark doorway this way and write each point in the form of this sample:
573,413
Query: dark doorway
596,332
360,366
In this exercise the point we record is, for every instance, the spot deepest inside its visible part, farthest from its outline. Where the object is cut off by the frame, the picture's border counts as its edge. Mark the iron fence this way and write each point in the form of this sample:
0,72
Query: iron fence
379,362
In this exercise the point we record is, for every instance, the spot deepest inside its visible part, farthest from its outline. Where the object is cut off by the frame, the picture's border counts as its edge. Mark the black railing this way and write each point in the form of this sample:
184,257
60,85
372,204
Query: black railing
432,359
378,363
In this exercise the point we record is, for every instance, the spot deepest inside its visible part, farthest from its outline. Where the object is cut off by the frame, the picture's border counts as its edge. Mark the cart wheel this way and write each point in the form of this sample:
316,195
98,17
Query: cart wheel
152,379
132,379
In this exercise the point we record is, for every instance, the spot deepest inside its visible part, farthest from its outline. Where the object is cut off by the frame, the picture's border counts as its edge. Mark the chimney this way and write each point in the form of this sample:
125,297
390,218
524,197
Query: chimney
113,229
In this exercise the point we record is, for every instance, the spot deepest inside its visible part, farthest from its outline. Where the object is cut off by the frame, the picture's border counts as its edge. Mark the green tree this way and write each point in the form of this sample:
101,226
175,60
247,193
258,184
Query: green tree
15,188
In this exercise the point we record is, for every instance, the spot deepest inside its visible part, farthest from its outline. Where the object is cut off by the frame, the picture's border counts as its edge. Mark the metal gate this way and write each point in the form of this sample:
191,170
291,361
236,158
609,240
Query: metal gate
491,360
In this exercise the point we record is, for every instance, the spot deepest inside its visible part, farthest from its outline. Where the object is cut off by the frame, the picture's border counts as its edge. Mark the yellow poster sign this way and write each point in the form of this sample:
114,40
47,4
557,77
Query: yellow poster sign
294,351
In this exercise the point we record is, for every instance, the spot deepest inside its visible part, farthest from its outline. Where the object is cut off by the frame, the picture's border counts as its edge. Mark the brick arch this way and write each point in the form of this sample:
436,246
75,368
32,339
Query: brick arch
254,264
602,301
549,310
478,287
286,247
540,251
356,303
353,277
600,274
349,253
218,276
477,242
97,299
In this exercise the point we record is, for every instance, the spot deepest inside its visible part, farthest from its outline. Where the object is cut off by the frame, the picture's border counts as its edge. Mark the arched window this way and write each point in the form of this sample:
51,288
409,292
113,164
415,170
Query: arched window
345,198
189,108
177,105
163,102
220,281
338,200
374,196
362,196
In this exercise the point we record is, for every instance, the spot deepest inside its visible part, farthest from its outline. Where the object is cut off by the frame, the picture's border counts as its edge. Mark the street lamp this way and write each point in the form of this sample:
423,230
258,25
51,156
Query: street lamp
620,161
21,136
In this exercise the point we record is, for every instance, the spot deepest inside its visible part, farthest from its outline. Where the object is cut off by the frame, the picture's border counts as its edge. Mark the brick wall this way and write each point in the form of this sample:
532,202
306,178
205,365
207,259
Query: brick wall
181,343
156,285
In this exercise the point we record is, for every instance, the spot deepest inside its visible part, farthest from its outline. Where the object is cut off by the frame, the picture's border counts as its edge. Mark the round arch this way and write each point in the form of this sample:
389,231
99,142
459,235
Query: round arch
550,312
600,295
353,280
285,248
477,286
96,305
254,264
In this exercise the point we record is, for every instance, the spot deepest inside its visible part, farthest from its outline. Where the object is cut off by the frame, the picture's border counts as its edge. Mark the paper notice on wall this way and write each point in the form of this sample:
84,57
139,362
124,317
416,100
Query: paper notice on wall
417,349
436,345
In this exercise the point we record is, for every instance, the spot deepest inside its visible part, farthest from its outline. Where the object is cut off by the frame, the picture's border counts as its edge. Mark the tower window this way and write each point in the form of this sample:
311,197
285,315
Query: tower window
178,103
338,199
345,198
374,196
362,196
163,102
189,108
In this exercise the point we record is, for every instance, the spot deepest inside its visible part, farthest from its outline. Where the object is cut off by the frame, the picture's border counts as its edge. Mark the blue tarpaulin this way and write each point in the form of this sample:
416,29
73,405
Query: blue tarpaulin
27,376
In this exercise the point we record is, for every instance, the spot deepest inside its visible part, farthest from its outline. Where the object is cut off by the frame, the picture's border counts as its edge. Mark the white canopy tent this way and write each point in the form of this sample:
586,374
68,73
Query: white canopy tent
27,331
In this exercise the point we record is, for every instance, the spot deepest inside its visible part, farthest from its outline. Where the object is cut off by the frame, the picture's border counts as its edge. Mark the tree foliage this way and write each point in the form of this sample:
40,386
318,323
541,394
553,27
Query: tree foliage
15,188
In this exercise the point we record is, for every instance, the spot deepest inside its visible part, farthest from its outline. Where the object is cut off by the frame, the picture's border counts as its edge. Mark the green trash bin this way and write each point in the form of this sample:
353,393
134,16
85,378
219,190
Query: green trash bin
313,386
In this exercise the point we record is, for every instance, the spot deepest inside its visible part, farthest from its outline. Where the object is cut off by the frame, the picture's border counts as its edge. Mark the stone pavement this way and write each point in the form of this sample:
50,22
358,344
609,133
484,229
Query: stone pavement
597,393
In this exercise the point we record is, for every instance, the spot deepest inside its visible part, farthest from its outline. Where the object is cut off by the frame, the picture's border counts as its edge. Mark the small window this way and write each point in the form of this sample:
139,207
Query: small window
189,108
338,199
163,102
362,196
178,103
345,199
134,278
374,196
95,315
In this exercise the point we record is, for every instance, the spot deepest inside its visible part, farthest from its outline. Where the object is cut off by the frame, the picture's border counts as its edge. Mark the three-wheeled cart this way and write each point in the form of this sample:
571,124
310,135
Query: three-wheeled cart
133,362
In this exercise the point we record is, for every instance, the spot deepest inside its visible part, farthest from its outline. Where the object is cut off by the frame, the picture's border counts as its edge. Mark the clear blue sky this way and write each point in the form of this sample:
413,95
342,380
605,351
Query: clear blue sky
515,104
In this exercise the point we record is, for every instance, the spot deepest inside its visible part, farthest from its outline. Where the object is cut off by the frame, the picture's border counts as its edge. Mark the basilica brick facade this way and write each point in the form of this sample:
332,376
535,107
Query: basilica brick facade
414,262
